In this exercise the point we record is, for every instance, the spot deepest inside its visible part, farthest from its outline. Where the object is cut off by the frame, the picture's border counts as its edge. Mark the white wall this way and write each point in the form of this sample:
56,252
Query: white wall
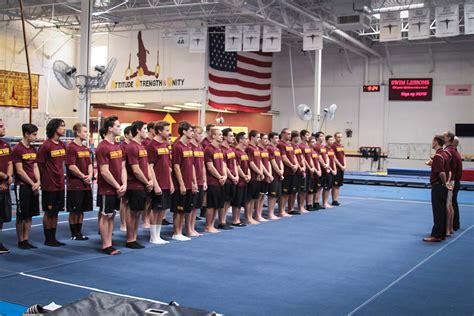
47,47
374,120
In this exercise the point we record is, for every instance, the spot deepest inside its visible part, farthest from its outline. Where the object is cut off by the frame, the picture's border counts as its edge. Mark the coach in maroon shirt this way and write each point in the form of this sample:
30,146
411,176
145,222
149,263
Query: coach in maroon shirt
79,179
6,173
184,177
456,170
51,157
111,181
341,165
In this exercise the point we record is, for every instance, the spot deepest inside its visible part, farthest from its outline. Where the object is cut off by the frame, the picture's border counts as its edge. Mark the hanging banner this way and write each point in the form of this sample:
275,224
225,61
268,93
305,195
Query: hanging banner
313,36
233,38
271,39
447,21
469,18
419,24
181,38
197,43
15,89
251,38
390,27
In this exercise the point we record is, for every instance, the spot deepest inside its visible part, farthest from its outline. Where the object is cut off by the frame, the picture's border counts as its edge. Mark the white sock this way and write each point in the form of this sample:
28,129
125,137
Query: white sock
152,233
155,232
181,237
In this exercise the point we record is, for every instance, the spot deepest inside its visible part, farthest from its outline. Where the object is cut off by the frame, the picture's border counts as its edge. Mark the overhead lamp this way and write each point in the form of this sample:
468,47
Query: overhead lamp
194,104
400,7
181,106
172,108
222,111
138,105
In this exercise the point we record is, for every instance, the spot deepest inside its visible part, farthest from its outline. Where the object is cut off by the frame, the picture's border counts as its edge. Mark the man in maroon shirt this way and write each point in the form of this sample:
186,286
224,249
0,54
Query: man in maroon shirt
323,165
439,192
316,175
216,175
27,184
201,178
267,173
79,179
257,176
51,157
160,161
111,181
149,137
299,177
184,177
331,172
6,173
230,185
204,142
274,189
240,197
450,143
139,182
341,165
310,170
127,137
290,167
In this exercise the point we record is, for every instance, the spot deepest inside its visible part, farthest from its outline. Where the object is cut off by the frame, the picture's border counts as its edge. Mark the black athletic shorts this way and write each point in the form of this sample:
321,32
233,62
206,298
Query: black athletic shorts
240,196
52,201
136,200
199,197
300,182
323,179
264,186
339,178
288,185
27,202
315,183
182,203
329,181
215,196
108,204
309,180
6,206
253,190
229,191
79,200
274,189
161,202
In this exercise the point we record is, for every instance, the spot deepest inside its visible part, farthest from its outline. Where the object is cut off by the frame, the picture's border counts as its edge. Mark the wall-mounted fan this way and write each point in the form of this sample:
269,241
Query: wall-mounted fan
329,113
304,112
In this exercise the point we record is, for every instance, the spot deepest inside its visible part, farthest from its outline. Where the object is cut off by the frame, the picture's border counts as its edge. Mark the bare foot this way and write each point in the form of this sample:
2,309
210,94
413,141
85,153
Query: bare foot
261,219
212,230
273,217
146,225
327,206
123,228
192,234
285,214
252,222
304,211
197,233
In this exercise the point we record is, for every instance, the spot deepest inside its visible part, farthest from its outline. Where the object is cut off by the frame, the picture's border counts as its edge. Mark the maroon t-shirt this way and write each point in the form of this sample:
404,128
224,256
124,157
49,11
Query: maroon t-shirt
123,146
299,156
339,153
159,156
230,160
274,153
5,156
112,155
456,163
183,156
80,157
323,151
437,167
205,142
254,155
51,157
136,154
331,156
243,161
447,162
286,149
27,157
199,167
215,155
265,155
315,157
307,152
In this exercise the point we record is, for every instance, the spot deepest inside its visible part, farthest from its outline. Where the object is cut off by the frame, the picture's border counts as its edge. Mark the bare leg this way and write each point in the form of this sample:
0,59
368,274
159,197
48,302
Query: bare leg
271,208
210,218
106,225
301,201
326,199
132,225
291,202
123,214
282,205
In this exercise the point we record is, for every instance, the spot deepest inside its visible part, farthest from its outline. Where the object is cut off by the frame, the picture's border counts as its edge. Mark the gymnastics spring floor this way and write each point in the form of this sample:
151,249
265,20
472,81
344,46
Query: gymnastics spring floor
363,258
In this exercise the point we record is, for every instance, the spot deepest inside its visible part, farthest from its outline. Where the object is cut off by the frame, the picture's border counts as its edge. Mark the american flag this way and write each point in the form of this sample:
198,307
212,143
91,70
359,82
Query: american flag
238,80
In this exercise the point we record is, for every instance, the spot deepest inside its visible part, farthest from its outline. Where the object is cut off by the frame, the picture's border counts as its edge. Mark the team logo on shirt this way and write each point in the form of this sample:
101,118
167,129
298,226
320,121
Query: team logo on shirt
58,153
218,156
264,155
163,151
4,151
340,149
307,150
315,155
244,157
298,151
230,155
188,153
323,150
142,153
277,153
115,154
289,148
199,154
83,154
256,153
29,156
331,153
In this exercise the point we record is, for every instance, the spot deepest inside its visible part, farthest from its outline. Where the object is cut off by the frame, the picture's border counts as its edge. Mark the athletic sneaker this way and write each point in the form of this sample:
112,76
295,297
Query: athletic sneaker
224,227
134,245
3,249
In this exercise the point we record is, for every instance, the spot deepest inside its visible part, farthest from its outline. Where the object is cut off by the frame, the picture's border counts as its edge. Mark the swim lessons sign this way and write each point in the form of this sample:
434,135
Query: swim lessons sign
149,61
410,89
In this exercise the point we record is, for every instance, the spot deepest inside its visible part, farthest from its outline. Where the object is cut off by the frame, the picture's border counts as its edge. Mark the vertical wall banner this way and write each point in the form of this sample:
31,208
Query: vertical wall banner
390,27
251,38
271,39
233,38
181,38
313,36
447,21
469,18
198,40
419,24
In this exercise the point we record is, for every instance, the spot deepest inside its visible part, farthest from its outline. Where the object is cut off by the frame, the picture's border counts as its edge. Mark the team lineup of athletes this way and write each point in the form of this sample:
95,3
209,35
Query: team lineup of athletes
146,175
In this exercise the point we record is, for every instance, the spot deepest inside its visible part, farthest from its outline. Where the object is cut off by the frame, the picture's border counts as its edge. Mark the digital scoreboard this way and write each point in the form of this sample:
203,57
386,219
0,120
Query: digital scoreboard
410,89
371,88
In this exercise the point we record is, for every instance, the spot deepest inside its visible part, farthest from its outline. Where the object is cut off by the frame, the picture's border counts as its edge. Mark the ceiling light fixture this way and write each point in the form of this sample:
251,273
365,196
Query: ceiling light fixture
194,104
138,105
171,108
